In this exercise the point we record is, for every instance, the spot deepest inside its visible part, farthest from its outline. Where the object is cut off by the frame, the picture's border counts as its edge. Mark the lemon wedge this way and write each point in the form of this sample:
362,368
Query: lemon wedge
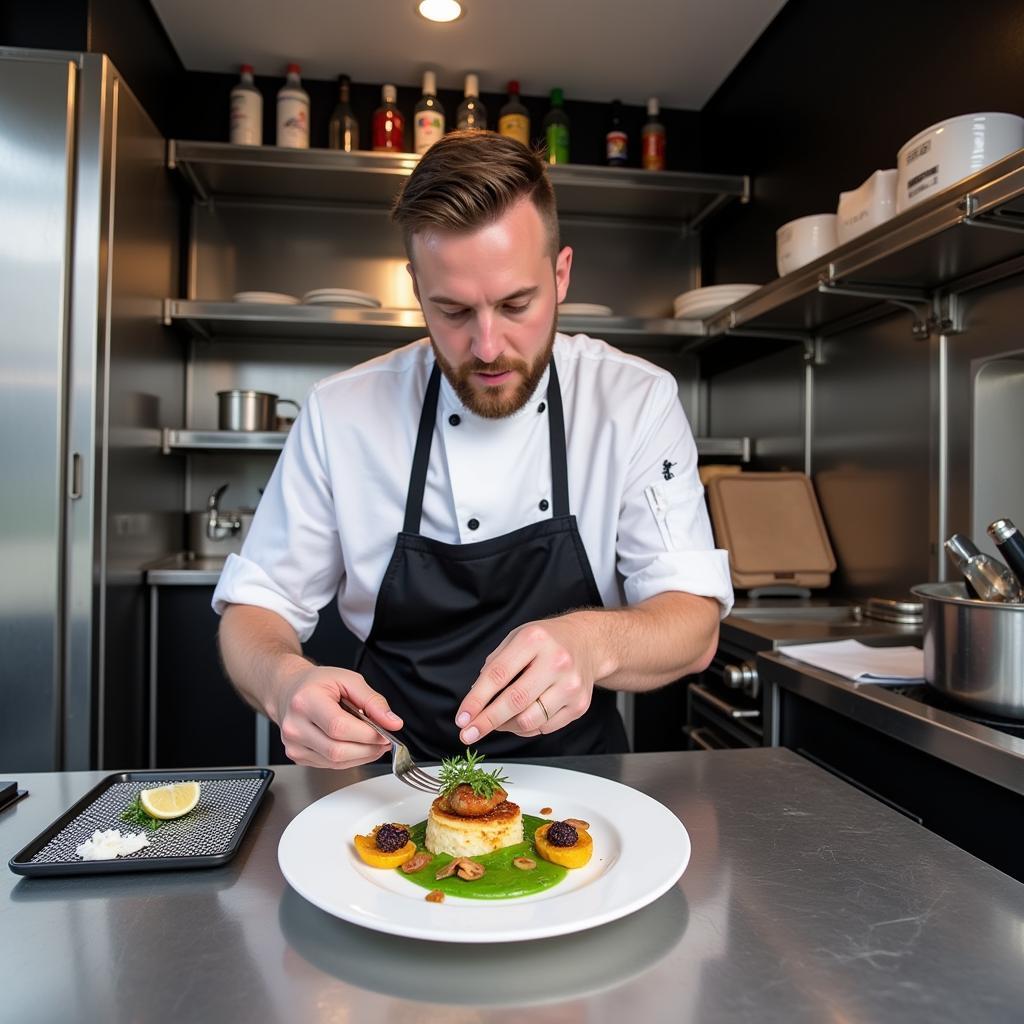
166,802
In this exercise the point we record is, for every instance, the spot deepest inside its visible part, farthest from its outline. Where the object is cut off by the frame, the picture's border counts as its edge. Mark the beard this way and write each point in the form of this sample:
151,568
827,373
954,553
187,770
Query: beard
495,403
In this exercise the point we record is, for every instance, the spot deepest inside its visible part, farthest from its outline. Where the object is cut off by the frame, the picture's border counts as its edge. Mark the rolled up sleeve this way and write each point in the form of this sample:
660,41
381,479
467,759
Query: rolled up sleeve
665,541
291,562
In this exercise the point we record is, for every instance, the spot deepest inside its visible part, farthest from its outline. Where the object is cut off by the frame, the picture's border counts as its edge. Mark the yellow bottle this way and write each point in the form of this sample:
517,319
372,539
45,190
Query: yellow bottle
514,120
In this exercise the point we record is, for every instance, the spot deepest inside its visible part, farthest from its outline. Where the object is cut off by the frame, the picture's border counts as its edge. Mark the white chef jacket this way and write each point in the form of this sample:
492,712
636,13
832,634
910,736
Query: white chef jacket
328,519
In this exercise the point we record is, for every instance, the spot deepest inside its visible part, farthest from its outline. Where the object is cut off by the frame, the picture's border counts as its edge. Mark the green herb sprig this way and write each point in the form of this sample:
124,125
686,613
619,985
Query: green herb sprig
137,816
458,770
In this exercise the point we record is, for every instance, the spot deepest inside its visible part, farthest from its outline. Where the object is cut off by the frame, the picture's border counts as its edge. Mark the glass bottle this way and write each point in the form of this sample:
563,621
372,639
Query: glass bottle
388,123
616,142
556,130
1010,542
514,119
428,118
987,578
653,139
293,112
472,113
342,129
246,117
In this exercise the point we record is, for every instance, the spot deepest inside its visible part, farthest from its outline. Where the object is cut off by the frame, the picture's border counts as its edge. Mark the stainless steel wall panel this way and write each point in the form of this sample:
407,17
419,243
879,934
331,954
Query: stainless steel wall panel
36,175
763,399
144,492
871,444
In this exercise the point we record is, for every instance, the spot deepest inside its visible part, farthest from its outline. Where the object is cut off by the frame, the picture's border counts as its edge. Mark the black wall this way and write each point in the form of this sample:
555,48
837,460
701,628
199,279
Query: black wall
127,31
831,91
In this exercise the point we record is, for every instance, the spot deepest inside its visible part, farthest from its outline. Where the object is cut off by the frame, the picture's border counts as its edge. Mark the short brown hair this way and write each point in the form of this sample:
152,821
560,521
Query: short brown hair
469,179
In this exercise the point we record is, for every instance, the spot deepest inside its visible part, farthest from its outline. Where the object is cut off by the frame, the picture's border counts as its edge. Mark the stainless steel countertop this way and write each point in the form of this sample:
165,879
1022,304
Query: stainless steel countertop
181,570
979,749
804,900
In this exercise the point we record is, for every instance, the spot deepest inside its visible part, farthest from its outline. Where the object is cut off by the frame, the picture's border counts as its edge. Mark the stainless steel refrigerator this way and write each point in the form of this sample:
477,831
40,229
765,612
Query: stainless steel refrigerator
88,249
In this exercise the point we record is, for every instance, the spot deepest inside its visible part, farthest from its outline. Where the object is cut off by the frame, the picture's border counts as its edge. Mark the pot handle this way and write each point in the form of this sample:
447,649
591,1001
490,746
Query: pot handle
288,401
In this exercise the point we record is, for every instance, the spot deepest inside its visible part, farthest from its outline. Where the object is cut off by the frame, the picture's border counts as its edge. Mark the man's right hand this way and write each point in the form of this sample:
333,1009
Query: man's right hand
315,729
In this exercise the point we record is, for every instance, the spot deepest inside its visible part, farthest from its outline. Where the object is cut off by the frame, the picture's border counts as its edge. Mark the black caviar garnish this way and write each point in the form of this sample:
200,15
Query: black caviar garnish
391,838
561,833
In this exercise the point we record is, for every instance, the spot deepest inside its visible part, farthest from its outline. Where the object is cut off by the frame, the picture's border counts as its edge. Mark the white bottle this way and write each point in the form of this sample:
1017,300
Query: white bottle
428,117
293,112
246,111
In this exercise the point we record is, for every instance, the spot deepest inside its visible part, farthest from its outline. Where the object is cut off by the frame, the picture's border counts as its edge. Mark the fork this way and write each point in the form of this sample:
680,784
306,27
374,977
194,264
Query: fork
402,764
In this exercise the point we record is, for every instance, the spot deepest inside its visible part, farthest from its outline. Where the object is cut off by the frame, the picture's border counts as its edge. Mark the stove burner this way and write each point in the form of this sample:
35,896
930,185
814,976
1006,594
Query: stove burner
925,694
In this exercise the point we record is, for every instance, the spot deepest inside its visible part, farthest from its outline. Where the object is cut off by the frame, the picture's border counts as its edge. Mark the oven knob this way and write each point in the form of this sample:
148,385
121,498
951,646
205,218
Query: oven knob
738,676
752,683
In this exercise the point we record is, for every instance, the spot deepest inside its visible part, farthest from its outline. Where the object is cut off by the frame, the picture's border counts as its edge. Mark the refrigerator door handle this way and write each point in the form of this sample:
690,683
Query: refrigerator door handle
75,491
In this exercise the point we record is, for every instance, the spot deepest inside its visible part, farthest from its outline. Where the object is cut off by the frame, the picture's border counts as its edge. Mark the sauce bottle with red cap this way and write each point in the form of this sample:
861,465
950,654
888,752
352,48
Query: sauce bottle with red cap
293,112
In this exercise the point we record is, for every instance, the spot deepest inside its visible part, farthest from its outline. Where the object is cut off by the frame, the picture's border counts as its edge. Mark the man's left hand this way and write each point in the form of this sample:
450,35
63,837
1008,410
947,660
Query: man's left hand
539,679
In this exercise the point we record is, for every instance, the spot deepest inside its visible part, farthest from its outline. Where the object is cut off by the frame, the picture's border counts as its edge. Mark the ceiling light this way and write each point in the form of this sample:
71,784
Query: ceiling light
440,10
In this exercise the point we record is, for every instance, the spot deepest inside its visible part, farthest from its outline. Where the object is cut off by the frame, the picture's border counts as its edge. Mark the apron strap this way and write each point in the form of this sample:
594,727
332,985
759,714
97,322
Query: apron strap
425,434
556,439
421,457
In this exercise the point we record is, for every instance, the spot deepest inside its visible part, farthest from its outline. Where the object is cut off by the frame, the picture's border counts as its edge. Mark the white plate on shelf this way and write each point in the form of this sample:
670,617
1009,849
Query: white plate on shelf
640,850
704,302
340,297
266,298
584,309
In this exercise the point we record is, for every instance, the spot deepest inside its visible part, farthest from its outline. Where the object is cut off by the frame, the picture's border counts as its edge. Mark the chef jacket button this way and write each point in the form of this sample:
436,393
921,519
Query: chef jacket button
455,419
541,407
474,524
544,504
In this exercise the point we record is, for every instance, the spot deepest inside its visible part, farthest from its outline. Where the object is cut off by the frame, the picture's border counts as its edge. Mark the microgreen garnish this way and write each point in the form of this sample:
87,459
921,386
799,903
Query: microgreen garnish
458,770
137,816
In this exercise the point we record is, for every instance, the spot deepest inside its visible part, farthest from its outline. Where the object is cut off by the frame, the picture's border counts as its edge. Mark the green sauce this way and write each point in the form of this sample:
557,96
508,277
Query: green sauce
502,881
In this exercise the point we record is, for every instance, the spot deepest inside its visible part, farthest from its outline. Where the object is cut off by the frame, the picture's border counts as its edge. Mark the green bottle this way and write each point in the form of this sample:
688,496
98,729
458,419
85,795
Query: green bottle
556,130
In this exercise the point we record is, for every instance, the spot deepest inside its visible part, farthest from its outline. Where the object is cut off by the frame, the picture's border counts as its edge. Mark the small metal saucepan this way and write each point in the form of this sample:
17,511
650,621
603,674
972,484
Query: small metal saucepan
973,650
251,410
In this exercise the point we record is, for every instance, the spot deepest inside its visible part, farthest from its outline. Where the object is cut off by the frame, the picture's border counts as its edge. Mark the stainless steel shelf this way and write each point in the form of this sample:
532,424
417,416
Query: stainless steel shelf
260,172
971,227
389,326
273,441
741,448
222,440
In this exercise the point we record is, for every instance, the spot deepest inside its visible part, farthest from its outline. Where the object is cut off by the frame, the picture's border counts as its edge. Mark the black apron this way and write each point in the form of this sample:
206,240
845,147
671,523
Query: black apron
443,608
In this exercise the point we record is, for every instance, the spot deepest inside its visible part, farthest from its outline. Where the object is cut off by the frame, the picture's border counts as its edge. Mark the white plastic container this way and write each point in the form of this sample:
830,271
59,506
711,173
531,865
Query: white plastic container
866,207
293,112
246,118
953,149
803,240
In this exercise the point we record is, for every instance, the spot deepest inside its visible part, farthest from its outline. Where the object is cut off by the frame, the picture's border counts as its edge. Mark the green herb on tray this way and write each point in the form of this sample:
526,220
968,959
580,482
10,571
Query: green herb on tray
137,816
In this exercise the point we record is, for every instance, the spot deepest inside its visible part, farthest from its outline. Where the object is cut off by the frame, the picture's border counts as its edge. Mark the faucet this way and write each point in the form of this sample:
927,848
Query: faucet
219,526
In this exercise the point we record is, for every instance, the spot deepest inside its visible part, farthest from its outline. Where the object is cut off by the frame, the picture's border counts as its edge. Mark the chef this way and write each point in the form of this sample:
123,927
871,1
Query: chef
510,519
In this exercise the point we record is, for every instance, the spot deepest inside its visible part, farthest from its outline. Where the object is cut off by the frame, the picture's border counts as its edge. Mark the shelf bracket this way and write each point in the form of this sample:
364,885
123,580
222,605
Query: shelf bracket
997,219
811,343
915,301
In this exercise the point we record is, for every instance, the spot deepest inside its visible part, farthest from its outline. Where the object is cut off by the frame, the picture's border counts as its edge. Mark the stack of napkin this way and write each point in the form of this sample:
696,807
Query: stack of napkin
892,666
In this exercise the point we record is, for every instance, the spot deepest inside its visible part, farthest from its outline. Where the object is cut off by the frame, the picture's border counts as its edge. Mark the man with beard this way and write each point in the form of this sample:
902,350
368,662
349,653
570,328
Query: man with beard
510,519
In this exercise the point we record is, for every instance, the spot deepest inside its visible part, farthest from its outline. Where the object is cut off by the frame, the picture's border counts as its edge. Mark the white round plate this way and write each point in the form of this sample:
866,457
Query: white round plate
703,302
584,309
339,297
640,850
267,298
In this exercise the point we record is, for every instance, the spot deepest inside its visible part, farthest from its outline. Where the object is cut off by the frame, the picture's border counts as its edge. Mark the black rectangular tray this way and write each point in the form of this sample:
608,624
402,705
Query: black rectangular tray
206,837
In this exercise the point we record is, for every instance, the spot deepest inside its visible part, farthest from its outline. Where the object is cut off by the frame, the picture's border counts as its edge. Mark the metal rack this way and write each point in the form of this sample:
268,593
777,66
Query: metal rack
266,172
968,234
318,323
741,448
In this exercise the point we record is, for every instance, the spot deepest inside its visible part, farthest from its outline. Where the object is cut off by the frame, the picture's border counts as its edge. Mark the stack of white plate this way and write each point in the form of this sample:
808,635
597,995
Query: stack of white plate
266,298
584,309
701,303
340,297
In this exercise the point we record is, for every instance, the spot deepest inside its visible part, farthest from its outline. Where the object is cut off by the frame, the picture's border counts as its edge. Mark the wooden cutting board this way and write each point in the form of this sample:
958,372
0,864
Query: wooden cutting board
771,525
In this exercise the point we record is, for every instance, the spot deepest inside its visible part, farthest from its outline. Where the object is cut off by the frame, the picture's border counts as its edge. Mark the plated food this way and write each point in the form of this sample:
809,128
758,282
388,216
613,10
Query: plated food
477,843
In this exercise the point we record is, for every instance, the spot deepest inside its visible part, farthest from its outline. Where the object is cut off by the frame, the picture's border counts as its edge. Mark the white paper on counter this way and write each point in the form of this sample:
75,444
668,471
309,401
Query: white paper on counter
883,665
